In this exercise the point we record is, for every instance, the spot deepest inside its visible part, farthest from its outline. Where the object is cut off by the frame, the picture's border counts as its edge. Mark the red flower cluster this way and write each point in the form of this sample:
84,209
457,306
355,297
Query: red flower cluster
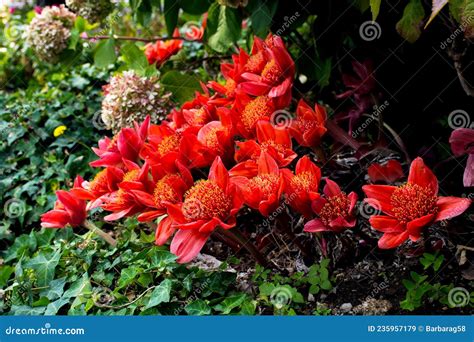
162,50
160,171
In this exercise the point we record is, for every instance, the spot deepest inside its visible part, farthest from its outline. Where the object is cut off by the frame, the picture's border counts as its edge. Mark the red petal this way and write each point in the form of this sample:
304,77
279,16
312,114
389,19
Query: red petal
266,164
379,196
468,178
331,188
450,207
392,240
386,224
414,227
163,231
187,244
219,174
315,226
421,175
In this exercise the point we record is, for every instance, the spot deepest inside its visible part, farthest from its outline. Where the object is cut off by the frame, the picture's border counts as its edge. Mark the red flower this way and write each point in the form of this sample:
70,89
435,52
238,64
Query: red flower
309,125
195,32
263,190
123,203
388,172
462,142
126,145
248,111
411,206
274,140
162,50
302,187
209,204
269,71
68,209
335,210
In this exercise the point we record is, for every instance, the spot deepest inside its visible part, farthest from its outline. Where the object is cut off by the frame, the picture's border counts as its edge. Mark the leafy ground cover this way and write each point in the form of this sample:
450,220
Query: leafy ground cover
343,92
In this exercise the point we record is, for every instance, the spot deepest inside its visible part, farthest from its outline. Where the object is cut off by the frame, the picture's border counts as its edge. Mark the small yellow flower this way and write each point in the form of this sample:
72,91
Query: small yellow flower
59,131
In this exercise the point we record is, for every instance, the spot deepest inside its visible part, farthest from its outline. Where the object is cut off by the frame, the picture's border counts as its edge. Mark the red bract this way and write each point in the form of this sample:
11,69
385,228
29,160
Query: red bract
162,50
462,142
248,111
209,204
123,203
335,210
274,140
125,146
388,172
309,125
100,188
301,188
263,190
269,71
68,209
410,207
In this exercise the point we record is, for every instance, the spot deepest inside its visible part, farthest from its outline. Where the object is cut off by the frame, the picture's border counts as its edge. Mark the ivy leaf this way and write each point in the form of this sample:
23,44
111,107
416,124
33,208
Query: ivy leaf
409,26
435,9
44,266
230,303
198,308
224,25
53,308
161,294
81,286
55,289
171,10
181,86
375,8
134,58
5,272
127,276
104,54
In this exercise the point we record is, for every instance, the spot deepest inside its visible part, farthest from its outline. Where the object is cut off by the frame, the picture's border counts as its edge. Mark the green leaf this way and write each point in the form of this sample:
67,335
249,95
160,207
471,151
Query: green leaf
437,264
161,294
55,289
81,286
326,285
5,272
127,276
53,308
408,284
375,8
171,12
224,25
230,303
198,308
195,7
409,26
44,266
266,289
261,15
181,86
314,289
160,258
134,58
25,310
104,53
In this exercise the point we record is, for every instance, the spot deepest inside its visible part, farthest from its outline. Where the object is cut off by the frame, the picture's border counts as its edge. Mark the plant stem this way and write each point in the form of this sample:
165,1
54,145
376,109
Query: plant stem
137,39
93,228
236,236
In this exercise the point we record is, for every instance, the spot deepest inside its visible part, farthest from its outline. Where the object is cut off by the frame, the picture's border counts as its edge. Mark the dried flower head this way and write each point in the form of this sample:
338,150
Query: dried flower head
92,10
49,32
129,97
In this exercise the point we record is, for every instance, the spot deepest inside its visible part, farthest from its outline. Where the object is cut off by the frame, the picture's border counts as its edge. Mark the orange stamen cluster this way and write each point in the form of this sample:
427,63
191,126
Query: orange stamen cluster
304,182
230,86
164,190
211,138
255,63
336,206
206,200
272,72
99,183
255,110
266,183
412,201
168,144
130,176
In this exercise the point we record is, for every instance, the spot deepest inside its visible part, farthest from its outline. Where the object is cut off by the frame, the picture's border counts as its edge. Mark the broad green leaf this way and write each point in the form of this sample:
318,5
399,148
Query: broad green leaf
375,8
230,303
266,289
55,289
326,285
44,265
181,86
171,12
81,286
198,308
261,15
5,272
195,7
161,258
467,19
53,308
435,9
224,25
127,276
456,8
22,244
25,310
410,24
104,53
161,294
134,58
